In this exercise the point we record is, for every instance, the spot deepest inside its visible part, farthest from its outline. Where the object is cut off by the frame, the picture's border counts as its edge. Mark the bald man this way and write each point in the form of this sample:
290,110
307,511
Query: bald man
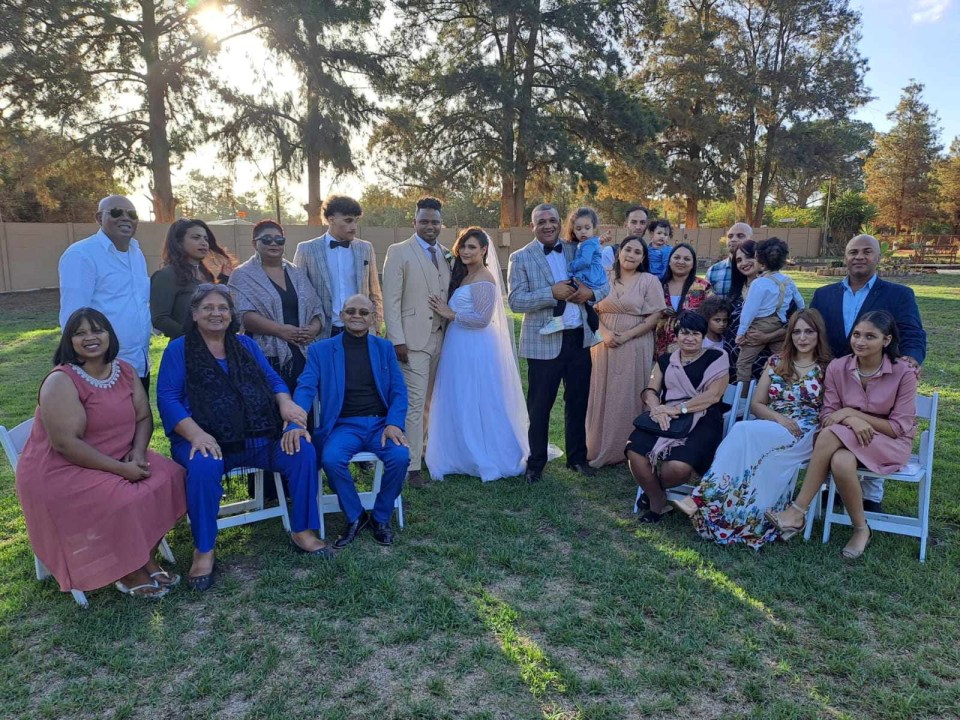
107,272
862,290
720,274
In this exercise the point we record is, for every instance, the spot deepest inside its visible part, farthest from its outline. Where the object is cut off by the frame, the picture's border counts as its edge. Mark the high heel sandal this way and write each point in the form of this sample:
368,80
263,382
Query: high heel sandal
786,531
848,554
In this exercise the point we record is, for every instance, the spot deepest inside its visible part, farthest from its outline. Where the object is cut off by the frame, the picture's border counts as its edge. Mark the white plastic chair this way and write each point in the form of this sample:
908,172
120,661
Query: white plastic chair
330,503
732,396
918,470
13,442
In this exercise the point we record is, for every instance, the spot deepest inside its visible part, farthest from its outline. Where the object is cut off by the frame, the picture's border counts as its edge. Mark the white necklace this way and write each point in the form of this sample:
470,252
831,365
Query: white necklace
109,382
864,376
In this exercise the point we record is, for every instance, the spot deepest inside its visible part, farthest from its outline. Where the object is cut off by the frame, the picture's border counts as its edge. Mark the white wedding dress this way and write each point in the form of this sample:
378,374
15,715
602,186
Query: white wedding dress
478,416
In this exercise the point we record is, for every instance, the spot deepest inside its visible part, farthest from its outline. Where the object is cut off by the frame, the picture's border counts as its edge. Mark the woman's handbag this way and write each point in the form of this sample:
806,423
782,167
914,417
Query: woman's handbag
679,426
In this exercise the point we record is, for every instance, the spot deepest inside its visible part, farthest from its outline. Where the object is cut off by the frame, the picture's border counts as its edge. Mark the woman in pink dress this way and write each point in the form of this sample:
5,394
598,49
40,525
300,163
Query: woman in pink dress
96,501
868,419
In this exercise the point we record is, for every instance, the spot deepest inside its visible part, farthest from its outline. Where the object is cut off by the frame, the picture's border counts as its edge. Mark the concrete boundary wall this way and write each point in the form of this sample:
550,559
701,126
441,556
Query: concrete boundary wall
29,252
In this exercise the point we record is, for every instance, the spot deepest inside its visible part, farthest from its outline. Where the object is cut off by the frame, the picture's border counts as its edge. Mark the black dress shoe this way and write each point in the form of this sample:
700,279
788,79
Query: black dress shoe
584,469
383,533
532,476
872,506
415,479
351,532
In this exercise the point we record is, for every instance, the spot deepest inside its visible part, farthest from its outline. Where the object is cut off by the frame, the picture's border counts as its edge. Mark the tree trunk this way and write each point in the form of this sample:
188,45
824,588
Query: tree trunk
506,202
161,189
691,221
313,152
751,167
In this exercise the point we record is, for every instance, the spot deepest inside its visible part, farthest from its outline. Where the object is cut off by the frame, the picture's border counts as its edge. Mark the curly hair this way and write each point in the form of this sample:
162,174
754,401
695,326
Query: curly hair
772,253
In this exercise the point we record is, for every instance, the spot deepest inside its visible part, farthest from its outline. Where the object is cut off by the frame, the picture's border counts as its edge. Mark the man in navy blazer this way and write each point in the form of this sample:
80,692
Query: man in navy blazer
357,381
841,305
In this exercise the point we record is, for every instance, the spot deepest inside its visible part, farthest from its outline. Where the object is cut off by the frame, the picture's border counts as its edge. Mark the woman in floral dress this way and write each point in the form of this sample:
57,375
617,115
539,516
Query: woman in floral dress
755,467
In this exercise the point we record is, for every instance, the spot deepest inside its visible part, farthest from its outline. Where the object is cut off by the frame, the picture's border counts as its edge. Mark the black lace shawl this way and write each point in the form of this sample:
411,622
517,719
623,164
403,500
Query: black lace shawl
232,406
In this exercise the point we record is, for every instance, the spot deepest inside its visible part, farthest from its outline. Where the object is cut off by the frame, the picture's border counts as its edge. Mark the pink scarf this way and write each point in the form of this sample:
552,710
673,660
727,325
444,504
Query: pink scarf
678,386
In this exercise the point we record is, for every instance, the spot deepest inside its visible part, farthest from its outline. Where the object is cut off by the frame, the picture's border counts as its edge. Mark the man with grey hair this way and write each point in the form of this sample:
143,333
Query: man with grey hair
108,272
720,274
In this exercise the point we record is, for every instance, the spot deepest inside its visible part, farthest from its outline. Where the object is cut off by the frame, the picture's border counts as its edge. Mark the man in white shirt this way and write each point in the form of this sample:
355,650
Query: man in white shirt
340,265
414,270
108,272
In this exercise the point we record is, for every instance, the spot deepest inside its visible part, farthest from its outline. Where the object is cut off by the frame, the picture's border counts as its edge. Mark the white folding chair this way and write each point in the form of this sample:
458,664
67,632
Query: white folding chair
732,397
918,470
13,441
330,503
252,510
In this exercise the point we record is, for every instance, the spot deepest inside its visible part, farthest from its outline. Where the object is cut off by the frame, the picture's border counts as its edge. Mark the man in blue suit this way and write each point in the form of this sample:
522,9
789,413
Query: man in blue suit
363,406
841,305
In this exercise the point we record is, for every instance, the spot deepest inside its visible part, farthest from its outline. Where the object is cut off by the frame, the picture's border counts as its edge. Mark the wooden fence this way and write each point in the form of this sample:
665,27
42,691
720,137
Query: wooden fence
29,252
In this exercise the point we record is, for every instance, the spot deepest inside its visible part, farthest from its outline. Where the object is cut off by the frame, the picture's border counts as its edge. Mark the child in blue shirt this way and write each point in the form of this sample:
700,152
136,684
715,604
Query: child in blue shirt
658,247
583,227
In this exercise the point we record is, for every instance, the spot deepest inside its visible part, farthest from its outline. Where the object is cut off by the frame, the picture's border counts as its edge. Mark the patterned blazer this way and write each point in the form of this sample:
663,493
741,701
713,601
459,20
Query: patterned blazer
311,257
530,280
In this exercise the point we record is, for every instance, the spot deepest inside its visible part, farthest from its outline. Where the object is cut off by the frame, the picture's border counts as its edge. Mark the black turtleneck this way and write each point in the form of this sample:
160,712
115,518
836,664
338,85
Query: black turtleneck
360,396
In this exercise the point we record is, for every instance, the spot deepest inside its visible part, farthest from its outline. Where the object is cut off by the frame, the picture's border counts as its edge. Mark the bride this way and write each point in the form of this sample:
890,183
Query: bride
478,418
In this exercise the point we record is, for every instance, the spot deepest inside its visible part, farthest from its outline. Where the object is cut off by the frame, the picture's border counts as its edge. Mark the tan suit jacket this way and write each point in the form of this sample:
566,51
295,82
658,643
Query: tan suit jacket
409,278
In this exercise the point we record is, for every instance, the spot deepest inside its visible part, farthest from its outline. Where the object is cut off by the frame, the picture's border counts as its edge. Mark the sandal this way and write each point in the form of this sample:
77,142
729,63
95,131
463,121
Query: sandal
650,517
165,579
848,554
137,591
786,531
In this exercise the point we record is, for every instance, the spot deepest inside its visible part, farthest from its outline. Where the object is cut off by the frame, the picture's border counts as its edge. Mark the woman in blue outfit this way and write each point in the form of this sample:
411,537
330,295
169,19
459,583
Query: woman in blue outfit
223,407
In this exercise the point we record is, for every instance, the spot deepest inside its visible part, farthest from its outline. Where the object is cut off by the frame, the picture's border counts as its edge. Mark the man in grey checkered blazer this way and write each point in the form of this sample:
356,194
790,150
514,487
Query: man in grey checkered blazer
538,279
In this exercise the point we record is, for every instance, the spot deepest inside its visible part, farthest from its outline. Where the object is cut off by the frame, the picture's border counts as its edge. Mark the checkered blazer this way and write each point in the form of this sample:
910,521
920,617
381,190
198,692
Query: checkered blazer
530,280
311,257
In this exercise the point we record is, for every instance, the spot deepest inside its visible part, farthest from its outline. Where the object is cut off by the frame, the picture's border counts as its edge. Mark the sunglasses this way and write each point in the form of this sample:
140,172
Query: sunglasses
116,213
356,311
272,240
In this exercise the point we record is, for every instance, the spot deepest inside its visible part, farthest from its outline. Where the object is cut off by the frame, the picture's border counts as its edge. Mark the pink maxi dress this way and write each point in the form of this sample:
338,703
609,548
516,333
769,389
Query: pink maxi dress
890,394
89,527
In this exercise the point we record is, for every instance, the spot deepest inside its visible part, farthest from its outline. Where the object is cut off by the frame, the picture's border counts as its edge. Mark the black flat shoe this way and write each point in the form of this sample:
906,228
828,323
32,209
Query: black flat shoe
326,551
351,532
583,469
201,583
532,476
650,517
383,533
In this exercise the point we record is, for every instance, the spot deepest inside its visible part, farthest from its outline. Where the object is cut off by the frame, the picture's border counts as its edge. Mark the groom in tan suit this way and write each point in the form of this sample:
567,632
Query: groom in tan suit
414,270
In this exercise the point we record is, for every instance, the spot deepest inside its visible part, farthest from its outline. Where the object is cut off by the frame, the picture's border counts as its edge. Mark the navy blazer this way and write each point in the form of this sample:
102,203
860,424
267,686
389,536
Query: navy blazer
896,299
324,379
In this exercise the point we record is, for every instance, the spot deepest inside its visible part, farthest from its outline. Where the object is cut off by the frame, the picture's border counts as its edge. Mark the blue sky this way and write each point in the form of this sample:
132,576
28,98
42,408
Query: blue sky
904,39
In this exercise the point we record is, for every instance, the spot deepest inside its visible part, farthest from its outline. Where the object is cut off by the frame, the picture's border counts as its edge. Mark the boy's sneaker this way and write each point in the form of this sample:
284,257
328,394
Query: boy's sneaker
555,325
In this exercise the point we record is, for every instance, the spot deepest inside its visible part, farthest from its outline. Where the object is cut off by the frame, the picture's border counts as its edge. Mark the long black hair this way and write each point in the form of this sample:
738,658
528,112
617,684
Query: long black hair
737,278
173,253
644,264
65,354
885,323
668,275
459,271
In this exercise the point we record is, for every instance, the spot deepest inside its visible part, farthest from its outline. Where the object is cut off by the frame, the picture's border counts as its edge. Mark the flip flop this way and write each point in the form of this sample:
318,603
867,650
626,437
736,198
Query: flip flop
172,580
137,590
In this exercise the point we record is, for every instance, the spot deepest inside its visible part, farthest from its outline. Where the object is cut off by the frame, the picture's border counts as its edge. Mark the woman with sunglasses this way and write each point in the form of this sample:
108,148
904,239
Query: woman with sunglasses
224,407
188,245
277,304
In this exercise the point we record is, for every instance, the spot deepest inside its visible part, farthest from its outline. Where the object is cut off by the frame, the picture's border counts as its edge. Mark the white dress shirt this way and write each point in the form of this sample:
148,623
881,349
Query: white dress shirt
93,273
558,266
343,276
426,248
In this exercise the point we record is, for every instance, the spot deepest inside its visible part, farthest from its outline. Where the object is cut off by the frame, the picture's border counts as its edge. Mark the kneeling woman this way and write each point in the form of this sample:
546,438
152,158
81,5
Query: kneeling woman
869,420
97,502
223,407
688,381
756,464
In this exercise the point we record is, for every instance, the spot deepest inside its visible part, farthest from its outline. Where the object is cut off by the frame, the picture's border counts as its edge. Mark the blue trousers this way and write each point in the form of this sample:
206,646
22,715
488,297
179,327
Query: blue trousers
205,485
362,434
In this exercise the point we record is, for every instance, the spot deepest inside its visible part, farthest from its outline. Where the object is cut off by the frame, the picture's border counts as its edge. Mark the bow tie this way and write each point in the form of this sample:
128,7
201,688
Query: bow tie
557,247
345,244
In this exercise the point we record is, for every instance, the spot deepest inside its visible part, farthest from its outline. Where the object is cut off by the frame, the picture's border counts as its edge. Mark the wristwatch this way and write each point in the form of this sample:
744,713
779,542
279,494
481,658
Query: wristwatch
683,408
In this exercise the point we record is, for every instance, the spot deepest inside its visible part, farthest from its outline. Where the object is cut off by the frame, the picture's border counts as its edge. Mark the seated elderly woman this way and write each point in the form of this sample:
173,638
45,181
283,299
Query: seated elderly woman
96,501
223,407
756,465
277,304
868,419
684,423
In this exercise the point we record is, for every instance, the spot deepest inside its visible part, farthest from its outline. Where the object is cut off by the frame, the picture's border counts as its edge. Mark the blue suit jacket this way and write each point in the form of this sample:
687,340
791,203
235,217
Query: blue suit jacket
896,299
323,379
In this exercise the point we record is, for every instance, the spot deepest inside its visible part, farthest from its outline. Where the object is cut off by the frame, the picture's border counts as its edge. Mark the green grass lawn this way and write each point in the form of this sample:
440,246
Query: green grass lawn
501,601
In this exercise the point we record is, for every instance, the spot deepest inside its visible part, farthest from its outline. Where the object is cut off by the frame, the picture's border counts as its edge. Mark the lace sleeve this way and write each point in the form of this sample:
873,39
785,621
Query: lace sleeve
484,298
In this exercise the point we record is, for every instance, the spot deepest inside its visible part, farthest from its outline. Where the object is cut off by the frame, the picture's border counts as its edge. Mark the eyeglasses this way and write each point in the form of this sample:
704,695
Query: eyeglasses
119,212
731,236
362,312
272,240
